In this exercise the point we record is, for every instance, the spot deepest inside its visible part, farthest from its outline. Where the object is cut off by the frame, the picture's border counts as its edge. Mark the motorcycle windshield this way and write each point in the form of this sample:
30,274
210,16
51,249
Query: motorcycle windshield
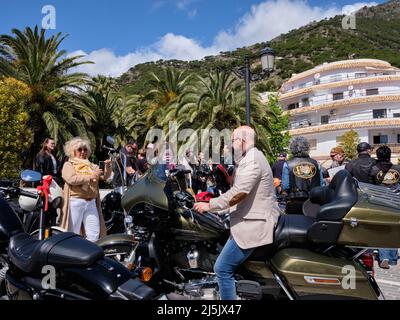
160,171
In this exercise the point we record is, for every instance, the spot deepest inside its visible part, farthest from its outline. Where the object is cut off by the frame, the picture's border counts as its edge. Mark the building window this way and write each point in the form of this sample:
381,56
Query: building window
379,113
398,138
396,115
305,102
313,144
381,139
324,119
372,92
293,106
360,75
338,96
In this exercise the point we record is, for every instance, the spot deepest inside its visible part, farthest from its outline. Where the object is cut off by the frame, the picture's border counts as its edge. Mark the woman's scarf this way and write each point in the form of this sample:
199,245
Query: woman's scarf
84,167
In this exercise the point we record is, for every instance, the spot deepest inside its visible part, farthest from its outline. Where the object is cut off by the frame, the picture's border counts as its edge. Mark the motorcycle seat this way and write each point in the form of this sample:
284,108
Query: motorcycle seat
336,199
290,231
60,251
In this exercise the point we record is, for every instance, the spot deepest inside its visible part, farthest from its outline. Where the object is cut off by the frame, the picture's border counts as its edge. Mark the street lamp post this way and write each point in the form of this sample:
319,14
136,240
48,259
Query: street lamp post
267,56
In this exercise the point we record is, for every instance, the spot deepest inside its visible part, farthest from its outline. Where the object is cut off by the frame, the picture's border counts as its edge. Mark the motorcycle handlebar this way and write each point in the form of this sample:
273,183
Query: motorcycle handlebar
173,174
18,192
28,194
108,148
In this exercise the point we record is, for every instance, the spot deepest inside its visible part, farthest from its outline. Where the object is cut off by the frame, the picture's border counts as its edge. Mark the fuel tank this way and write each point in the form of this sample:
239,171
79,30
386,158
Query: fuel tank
191,226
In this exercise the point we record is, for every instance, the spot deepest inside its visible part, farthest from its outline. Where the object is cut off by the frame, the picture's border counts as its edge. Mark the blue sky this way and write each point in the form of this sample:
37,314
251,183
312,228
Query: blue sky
120,33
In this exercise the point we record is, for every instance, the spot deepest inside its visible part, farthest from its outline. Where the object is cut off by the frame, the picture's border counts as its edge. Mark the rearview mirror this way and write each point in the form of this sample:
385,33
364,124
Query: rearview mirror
31,176
111,140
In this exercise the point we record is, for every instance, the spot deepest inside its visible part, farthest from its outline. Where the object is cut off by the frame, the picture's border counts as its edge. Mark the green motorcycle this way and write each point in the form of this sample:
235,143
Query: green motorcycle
322,256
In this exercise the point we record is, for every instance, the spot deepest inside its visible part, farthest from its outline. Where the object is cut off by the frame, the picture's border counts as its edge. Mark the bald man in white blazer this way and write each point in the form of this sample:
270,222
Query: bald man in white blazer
254,211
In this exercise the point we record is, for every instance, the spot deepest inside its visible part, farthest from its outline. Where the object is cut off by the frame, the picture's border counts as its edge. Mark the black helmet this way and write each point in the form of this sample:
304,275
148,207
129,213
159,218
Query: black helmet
363,146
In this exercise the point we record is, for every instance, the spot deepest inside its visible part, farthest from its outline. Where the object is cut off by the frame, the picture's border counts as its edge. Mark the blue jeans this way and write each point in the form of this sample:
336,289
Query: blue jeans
390,254
229,259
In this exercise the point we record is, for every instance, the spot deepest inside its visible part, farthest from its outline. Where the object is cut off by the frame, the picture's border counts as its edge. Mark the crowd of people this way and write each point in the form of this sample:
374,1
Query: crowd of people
254,187
297,176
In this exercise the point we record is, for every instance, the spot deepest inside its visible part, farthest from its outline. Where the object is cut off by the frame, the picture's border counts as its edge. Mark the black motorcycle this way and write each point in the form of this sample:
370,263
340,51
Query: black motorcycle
63,266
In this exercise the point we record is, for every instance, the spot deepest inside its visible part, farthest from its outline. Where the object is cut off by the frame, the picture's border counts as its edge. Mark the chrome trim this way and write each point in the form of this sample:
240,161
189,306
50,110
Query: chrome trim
311,280
358,254
282,285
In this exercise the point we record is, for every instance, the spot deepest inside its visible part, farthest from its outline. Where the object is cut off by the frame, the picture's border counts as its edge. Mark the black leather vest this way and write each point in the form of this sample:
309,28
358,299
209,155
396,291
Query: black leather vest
304,174
386,175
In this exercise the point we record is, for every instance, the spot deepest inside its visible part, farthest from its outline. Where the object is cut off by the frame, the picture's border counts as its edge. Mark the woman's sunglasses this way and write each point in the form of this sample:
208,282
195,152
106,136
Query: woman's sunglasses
82,149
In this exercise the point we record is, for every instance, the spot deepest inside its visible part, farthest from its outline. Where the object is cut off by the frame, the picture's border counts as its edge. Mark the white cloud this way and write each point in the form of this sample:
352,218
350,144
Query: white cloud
168,47
268,20
272,18
262,23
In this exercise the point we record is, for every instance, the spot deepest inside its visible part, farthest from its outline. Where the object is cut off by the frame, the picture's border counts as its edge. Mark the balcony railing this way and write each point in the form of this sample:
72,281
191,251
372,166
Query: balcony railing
337,79
343,119
347,96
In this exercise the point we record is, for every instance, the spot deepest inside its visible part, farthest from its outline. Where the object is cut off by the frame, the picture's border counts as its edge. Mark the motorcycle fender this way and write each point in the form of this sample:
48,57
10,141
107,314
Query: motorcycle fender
314,276
98,281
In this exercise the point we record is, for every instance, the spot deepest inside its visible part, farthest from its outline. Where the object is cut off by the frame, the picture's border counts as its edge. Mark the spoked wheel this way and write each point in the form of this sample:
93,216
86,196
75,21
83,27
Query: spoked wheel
3,271
54,231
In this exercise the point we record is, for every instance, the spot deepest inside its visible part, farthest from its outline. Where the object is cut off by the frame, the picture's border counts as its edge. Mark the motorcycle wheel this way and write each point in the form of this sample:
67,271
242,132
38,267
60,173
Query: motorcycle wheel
54,231
3,270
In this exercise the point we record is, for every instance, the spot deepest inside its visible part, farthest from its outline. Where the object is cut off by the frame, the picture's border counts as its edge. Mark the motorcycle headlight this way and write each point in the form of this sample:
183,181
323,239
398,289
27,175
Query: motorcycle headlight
128,220
57,203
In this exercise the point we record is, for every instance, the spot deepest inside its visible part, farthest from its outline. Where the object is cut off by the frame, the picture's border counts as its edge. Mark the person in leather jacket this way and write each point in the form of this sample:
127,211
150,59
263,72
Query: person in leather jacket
385,173
46,161
300,175
360,168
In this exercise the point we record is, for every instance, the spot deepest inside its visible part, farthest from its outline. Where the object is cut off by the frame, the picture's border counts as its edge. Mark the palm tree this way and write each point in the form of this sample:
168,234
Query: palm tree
218,101
100,97
164,95
30,57
132,116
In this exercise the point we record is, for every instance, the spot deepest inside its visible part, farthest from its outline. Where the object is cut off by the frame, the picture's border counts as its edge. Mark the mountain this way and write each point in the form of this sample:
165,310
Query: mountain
376,35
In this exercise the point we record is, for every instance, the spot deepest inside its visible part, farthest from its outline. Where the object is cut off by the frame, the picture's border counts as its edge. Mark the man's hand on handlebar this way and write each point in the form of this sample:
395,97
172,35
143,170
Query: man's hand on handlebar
201,207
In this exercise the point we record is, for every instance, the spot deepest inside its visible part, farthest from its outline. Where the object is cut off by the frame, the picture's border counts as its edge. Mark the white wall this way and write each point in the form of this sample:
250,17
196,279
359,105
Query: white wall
327,140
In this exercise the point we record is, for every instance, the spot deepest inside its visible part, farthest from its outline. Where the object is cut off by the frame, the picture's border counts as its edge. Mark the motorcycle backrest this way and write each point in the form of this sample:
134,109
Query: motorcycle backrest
337,199
9,222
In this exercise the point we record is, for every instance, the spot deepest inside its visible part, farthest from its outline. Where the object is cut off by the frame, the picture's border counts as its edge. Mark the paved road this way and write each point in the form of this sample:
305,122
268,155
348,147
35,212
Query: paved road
389,281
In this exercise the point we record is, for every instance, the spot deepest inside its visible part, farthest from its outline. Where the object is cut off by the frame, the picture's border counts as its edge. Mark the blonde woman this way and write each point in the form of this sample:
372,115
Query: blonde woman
82,207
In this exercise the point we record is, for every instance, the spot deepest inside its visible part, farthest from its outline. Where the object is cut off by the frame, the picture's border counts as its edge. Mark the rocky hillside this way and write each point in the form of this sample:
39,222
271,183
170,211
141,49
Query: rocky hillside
377,35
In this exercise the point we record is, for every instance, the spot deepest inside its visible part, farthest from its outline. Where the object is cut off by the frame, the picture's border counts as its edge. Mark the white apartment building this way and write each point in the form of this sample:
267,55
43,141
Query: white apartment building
330,99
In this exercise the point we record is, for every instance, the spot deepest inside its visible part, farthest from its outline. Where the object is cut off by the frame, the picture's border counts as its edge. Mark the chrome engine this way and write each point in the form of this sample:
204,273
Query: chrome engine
193,257
202,289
